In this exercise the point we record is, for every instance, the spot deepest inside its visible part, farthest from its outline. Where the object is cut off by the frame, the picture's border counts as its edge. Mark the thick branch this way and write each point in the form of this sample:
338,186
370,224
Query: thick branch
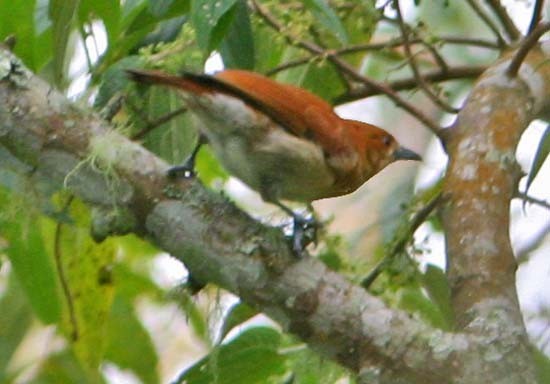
480,183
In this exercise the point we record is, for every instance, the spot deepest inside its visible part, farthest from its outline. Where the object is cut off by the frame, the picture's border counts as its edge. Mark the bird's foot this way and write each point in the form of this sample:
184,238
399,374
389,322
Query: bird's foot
304,233
185,170
192,285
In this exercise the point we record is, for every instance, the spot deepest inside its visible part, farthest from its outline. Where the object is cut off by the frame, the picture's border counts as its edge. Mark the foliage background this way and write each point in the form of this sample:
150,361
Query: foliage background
129,314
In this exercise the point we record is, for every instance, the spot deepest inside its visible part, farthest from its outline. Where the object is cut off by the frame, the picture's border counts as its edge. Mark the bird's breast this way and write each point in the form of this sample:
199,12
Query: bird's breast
255,149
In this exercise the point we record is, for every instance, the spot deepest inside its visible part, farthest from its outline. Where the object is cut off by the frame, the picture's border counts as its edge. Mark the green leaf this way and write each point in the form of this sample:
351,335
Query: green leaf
33,266
252,357
542,363
87,269
269,48
61,13
540,156
129,344
308,75
211,20
114,79
238,314
33,42
172,140
437,286
159,7
209,168
108,11
237,48
307,367
63,368
413,300
15,320
326,16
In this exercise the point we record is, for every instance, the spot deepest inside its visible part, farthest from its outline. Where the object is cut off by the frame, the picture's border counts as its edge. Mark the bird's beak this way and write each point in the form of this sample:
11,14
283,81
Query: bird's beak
403,153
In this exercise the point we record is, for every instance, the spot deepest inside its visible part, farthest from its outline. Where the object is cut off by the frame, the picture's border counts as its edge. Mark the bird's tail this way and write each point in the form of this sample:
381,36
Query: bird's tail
184,83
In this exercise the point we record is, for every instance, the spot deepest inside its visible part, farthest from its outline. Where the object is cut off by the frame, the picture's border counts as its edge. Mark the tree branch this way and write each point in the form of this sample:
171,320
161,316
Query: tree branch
385,45
221,244
480,182
505,19
487,20
526,45
424,86
537,15
438,75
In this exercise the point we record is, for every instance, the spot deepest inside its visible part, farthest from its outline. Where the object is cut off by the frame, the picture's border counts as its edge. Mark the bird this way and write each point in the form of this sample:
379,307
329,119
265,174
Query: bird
281,140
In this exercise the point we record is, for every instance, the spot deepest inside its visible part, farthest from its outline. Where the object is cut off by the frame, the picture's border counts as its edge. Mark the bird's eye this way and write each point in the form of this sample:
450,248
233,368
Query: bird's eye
386,140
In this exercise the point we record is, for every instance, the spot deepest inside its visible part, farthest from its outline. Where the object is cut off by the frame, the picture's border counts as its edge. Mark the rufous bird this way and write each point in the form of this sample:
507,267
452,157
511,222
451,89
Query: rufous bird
281,140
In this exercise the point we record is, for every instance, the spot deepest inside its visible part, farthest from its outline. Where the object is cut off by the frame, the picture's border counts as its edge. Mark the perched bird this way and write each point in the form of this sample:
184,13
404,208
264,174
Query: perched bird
280,140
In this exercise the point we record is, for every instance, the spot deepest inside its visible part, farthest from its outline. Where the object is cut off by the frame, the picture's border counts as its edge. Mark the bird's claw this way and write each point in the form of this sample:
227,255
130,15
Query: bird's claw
304,233
187,169
182,171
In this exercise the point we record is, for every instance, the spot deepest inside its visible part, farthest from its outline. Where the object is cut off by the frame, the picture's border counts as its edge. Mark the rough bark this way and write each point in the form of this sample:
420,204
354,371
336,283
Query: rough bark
223,245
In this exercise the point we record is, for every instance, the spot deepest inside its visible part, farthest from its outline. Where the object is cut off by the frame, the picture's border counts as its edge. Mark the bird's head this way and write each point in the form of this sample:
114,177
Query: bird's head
377,147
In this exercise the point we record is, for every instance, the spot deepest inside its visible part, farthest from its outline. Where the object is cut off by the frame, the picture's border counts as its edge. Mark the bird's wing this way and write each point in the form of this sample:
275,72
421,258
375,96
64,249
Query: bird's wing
296,110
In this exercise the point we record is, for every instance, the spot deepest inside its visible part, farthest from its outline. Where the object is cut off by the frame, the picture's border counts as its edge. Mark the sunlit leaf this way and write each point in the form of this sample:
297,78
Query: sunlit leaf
238,314
84,270
326,16
63,368
129,344
211,20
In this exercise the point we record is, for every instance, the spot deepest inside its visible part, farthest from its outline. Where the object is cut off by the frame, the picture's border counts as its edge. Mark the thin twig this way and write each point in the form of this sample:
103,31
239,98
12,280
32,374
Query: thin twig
537,15
424,86
84,35
349,70
487,20
453,73
507,22
533,200
526,45
522,254
62,276
439,59
155,123
398,246
481,43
